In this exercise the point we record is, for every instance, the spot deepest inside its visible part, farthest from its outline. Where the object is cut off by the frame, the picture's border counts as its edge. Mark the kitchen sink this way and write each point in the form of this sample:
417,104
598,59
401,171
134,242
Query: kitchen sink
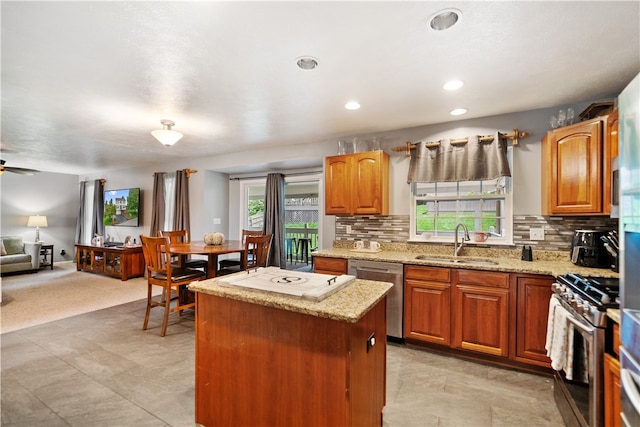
461,261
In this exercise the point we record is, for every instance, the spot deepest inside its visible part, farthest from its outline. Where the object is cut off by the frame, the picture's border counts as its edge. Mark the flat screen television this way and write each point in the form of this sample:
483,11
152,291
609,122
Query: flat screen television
122,207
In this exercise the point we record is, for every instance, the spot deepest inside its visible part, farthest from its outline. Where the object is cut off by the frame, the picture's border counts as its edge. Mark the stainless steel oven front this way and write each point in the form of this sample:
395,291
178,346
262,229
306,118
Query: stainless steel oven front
581,400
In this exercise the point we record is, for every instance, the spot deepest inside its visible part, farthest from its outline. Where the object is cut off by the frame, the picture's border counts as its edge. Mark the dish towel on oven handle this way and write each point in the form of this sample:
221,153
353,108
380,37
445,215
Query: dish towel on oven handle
560,342
557,334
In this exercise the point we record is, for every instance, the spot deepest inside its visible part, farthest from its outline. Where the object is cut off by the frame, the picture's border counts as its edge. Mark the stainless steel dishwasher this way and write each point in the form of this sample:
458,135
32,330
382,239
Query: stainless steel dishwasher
385,272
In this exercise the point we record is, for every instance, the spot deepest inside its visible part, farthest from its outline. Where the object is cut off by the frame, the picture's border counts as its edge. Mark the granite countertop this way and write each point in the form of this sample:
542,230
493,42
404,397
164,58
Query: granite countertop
349,304
614,314
545,263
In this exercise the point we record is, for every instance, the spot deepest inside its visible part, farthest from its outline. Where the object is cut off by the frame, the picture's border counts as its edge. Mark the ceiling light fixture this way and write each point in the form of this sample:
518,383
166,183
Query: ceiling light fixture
453,85
307,62
352,105
458,111
166,136
444,19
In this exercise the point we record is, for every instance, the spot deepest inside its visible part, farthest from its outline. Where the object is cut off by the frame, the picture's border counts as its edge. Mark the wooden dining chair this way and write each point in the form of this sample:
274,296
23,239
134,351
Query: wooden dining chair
173,281
234,263
182,236
256,253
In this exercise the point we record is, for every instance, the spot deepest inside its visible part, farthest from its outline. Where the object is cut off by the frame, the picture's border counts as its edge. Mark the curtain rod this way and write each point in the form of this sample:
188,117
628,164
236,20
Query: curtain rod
187,171
515,135
241,178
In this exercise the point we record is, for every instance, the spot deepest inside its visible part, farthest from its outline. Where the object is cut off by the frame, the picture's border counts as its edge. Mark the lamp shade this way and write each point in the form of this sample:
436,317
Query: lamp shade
166,136
37,221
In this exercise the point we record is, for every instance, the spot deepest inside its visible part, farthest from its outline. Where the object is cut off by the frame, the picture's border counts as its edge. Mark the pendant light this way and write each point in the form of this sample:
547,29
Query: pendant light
166,136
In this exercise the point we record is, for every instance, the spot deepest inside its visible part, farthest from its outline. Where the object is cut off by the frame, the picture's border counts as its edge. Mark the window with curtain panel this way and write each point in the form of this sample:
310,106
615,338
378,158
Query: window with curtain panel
482,205
169,200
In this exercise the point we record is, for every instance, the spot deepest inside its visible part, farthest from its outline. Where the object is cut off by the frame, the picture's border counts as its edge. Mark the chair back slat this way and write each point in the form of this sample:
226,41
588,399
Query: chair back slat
175,236
156,254
246,233
257,250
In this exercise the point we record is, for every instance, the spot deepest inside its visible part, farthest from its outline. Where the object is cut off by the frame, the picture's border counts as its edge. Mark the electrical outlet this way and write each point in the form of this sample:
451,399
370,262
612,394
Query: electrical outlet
536,233
348,229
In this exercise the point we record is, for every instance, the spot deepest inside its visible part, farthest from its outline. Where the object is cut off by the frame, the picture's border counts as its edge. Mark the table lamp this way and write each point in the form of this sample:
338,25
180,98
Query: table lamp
37,221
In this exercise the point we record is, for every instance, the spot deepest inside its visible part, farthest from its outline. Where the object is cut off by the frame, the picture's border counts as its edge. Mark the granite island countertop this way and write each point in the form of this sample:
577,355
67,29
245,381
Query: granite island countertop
349,304
545,263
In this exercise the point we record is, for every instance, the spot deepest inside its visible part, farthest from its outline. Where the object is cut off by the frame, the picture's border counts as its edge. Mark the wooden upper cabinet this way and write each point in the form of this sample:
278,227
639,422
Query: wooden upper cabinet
576,164
357,184
611,147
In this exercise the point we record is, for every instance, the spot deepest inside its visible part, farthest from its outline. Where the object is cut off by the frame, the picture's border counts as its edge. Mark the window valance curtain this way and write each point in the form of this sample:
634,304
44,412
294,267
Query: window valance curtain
473,161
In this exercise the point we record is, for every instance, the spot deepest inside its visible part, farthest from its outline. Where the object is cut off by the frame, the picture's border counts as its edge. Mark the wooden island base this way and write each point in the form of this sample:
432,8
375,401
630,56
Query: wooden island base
263,366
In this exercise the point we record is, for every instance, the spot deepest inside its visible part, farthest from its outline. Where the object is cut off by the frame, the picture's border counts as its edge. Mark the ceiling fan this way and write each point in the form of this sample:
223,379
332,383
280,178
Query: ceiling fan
22,171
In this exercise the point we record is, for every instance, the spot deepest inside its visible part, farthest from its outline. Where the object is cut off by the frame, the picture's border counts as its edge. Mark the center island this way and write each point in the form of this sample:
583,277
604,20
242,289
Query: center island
268,359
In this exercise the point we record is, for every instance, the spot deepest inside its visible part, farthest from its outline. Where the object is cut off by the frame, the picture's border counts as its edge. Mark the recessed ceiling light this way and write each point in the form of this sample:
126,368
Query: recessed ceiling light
458,111
307,62
444,19
453,85
352,105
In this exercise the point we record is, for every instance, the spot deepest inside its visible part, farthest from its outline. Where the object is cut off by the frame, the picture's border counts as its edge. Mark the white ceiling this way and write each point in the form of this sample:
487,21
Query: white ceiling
83,83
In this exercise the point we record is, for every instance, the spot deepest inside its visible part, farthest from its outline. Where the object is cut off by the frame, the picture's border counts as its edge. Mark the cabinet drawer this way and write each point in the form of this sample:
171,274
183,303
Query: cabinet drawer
484,278
327,264
435,274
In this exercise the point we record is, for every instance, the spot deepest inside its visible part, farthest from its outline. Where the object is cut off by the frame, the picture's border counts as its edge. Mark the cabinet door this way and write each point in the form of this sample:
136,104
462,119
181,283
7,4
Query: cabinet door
370,183
572,158
427,311
112,263
533,295
481,319
611,392
337,185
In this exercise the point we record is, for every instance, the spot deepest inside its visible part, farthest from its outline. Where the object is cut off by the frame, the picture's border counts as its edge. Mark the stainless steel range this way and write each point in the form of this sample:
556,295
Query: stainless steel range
579,390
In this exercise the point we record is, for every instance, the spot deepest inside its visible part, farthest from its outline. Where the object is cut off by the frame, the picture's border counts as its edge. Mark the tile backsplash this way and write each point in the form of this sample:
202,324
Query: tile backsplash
558,231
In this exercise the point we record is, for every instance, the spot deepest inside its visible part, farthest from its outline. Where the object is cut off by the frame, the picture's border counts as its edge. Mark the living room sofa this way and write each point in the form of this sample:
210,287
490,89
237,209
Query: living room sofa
18,256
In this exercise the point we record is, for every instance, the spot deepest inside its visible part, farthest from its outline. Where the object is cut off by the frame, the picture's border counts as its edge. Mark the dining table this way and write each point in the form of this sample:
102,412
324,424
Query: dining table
199,247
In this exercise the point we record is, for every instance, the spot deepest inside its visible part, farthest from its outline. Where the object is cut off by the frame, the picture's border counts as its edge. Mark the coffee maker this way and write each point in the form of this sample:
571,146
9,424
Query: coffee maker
587,249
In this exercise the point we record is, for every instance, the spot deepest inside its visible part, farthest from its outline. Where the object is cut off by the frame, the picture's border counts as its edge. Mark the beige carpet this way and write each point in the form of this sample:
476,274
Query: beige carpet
33,299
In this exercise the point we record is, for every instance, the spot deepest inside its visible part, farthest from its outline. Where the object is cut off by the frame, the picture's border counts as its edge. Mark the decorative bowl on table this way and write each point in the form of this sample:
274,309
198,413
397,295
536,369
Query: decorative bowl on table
213,239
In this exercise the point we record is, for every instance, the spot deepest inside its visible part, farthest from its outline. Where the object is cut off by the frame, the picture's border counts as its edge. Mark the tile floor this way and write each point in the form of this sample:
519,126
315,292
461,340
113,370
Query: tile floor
101,369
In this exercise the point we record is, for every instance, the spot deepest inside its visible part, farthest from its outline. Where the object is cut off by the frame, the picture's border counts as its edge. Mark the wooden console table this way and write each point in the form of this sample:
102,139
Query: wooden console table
121,262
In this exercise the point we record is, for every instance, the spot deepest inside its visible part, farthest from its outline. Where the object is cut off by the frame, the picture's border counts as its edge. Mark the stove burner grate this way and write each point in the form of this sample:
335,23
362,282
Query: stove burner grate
599,290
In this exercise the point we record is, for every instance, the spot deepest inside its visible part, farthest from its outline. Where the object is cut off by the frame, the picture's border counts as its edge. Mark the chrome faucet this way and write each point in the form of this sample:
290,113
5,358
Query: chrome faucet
456,248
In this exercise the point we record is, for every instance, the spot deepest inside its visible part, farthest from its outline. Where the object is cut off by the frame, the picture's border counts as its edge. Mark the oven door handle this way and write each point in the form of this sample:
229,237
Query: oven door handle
583,328
630,384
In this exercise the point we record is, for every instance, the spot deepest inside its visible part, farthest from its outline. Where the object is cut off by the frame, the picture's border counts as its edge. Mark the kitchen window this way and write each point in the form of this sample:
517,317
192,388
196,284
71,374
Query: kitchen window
436,209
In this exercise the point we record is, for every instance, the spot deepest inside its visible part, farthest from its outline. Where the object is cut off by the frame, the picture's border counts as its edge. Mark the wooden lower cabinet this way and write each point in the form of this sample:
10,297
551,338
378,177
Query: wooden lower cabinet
481,312
427,309
611,391
123,263
533,294
264,366
330,265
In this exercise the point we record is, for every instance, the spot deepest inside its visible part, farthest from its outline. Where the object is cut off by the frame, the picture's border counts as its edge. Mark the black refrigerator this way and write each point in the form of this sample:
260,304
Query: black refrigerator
629,193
